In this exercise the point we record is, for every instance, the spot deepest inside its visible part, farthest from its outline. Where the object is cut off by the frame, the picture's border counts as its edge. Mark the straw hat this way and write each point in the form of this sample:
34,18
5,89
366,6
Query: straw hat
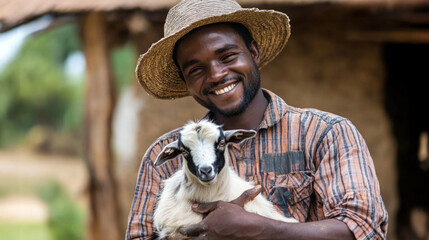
156,70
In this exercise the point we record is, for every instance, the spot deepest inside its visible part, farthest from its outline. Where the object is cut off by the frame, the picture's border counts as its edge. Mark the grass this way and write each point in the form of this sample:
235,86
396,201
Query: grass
24,231
66,218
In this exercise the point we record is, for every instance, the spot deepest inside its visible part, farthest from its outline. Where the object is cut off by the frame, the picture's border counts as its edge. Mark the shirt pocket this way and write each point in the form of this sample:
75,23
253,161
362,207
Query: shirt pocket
289,183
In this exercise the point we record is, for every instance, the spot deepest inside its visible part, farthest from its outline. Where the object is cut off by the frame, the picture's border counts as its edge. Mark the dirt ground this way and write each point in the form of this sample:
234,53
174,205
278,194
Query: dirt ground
22,171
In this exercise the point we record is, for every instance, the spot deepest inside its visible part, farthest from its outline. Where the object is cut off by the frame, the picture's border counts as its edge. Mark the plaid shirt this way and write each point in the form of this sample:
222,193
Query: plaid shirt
311,164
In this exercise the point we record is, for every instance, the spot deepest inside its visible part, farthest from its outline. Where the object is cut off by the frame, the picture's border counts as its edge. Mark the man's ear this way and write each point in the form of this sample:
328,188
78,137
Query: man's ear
236,136
254,51
169,152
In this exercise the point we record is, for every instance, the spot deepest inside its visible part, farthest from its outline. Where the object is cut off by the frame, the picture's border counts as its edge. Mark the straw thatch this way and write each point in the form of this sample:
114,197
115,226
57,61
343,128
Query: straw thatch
15,12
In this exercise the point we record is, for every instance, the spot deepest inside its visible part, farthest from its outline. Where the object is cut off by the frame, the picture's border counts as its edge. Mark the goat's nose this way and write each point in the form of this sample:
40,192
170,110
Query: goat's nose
206,170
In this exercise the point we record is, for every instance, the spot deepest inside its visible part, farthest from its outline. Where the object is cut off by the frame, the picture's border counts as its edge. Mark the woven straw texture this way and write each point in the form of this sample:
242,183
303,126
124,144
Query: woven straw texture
156,70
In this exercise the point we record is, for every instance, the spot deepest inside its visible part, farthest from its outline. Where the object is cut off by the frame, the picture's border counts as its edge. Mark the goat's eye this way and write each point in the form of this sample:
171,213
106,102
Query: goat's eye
185,153
221,144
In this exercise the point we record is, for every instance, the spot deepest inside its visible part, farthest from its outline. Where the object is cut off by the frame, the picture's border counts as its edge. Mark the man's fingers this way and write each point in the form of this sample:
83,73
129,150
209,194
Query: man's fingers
204,208
178,238
197,231
193,230
247,196
201,237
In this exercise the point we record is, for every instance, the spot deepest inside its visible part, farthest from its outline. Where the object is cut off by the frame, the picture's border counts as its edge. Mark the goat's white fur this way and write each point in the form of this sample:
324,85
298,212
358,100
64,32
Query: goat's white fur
183,188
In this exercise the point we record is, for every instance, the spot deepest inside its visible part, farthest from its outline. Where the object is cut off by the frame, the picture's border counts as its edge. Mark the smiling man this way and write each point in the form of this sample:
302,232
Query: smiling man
313,165
221,73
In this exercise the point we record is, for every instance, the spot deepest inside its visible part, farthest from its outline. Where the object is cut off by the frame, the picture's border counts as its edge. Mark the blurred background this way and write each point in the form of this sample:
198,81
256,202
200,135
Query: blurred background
74,122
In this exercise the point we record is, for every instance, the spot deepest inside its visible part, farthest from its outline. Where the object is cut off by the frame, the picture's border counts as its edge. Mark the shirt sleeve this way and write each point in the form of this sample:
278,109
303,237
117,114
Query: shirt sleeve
147,187
347,183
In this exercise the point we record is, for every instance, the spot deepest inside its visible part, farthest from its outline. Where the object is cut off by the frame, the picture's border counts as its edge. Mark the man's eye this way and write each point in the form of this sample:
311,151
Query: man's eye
194,71
228,57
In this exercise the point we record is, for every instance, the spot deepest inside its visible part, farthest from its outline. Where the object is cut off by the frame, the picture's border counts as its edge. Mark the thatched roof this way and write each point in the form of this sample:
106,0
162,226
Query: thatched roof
12,12
16,12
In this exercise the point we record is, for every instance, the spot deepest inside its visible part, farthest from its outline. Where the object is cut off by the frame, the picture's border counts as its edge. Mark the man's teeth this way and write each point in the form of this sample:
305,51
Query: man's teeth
225,89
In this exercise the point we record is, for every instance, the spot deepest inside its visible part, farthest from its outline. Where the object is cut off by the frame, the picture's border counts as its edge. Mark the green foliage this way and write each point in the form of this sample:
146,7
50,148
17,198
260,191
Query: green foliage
72,118
66,219
124,61
55,44
34,89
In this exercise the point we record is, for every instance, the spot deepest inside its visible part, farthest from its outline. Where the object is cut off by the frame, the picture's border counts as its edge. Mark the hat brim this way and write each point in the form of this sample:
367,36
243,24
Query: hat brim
159,75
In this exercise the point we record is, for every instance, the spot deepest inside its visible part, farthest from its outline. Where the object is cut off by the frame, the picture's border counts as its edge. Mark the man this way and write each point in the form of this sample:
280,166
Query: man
314,166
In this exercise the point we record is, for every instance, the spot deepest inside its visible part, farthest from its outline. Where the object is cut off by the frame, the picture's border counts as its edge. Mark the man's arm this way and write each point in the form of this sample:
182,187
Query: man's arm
229,220
346,182
140,216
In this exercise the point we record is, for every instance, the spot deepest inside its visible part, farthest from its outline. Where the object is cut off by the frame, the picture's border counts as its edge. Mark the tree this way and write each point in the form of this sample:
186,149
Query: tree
34,87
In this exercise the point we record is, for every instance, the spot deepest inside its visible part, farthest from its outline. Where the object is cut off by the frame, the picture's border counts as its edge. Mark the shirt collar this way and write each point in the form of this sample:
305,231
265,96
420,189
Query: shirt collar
276,109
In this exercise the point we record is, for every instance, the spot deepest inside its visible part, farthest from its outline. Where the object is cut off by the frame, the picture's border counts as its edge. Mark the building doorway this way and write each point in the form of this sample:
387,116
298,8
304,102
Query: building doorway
407,103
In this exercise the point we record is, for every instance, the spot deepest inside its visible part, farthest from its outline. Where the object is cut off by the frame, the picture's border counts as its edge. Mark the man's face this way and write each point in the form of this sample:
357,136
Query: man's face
219,70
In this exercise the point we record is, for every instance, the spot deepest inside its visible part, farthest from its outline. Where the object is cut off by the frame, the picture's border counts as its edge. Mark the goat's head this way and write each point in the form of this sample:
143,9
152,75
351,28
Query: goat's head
203,145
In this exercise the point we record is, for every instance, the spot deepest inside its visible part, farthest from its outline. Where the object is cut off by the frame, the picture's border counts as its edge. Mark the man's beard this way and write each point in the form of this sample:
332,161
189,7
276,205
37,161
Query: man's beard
250,91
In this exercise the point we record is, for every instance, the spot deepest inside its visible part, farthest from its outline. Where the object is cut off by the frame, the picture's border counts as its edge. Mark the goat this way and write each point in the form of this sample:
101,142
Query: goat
204,177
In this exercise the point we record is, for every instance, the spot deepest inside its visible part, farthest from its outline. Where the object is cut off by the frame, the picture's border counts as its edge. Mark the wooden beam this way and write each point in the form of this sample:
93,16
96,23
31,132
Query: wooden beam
386,4
398,36
104,219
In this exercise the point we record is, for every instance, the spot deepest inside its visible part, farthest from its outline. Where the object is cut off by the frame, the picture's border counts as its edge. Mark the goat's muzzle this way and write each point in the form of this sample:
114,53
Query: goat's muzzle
206,174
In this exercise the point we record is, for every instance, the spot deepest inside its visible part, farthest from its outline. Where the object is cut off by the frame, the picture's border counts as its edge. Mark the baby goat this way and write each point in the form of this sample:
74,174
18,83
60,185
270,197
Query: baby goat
204,177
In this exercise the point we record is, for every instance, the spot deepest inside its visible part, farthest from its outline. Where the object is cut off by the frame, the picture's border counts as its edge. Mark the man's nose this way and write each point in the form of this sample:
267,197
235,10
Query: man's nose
217,72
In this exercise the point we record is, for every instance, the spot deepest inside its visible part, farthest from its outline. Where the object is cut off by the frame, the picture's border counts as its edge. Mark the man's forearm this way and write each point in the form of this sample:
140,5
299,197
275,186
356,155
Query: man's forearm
229,220
324,229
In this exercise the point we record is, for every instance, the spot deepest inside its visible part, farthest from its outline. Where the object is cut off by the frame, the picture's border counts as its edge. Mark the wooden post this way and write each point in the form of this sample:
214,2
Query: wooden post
99,101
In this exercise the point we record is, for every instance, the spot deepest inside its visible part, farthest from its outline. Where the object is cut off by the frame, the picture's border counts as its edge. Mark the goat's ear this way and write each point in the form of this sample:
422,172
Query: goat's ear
170,151
236,136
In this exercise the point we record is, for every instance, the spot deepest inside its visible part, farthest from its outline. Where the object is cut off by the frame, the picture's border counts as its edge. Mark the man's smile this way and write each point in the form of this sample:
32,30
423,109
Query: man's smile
225,89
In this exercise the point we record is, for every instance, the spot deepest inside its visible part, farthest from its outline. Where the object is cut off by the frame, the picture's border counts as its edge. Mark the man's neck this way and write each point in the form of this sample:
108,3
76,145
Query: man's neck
250,118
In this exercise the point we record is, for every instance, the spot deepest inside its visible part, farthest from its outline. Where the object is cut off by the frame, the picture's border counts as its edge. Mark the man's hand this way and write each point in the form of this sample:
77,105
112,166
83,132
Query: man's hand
223,220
